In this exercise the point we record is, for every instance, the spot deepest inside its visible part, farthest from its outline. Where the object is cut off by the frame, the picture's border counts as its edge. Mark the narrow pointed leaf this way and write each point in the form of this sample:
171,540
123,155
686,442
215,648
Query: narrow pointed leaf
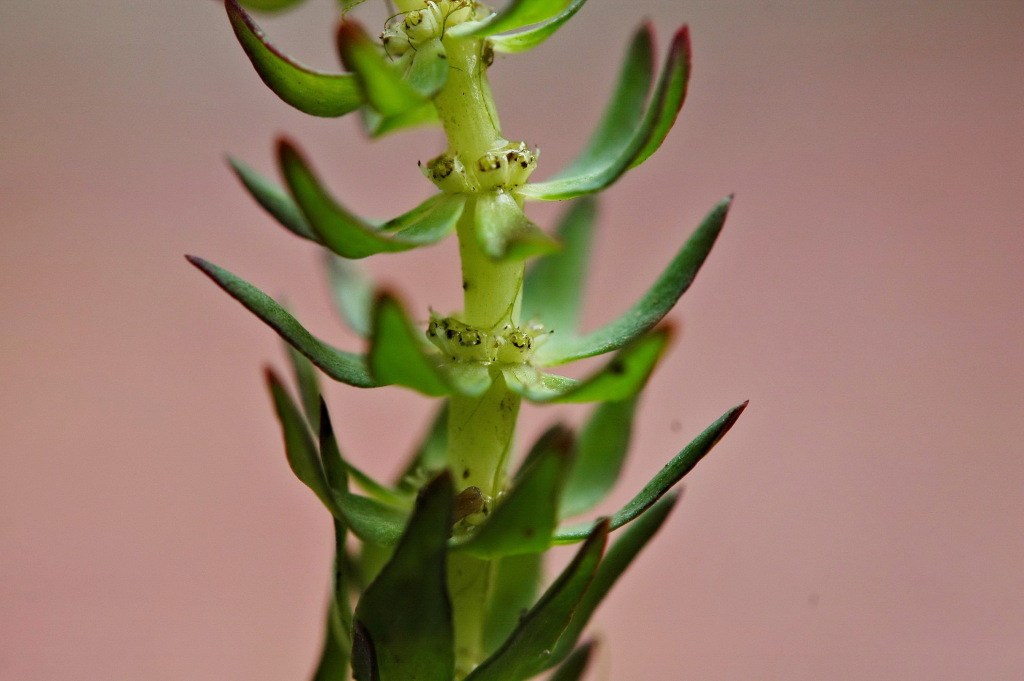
575,664
337,646
504,231
431,456
620,379
313,92
514,590
552,290
269,5
273,199
347,367
527,515
303,457
526,652
600,166
666,478
371,520
353,237
334,658
397,353
527,39
309,386
515,14
653,306
618,557
352,292
406,610
602,449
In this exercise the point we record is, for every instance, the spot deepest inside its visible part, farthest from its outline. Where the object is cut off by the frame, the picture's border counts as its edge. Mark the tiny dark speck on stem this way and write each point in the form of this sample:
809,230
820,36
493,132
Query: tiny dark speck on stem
465,474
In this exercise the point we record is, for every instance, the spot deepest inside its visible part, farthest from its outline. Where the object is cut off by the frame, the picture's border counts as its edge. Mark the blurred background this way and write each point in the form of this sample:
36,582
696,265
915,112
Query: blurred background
864,518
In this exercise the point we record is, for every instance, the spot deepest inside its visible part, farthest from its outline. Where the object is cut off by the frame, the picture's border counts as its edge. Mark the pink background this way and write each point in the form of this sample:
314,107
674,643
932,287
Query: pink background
862,521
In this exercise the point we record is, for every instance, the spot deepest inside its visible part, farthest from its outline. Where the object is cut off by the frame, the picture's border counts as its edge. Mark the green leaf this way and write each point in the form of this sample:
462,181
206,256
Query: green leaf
527,39
346,367
428,71
269,5
352,291
602,449
514,589
371,520
575,665
666,478
527,515
349,235
303,457
515,14
273,199
313,92
525,653
309,386
614,563
334,657
393,98
406,611
659,299
619,379
503,230
397,353
606,158
552,290
431,456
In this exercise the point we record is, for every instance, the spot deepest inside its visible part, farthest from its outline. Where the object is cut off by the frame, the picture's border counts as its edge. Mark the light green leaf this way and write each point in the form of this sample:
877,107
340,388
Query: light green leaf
309,387
406,611
397,353
614,563
503,230
273,199
269,5
349,235
527,515
575,665
552,290
602,449
352,292
605,160
313,92
346,367
666,478
525,653
515,587
652,307
428,70
527,39
371,520
515,14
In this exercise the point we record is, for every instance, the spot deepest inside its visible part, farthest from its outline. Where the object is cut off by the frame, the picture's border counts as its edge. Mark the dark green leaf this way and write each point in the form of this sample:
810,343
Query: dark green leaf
614,563
526,652
273,199
406,611
300,449
515,586
575,665
603,444
527,39
352,291
515,14
552,290
349,235
503,230
527,515
269,5
666,478
652,307
309,386
602,164
346,367
397,353
308,90
334,658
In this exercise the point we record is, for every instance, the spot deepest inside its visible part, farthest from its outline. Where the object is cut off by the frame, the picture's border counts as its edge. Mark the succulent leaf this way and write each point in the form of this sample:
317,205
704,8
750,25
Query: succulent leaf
527,39
350,236
514,590
666,478
574,666
527,649
553,288
309,387
659,299
334,657
603,445
406,610
269,5
347,367
397,353
273,199
525,518
352,292
514,15
373,521
503,230
308,90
